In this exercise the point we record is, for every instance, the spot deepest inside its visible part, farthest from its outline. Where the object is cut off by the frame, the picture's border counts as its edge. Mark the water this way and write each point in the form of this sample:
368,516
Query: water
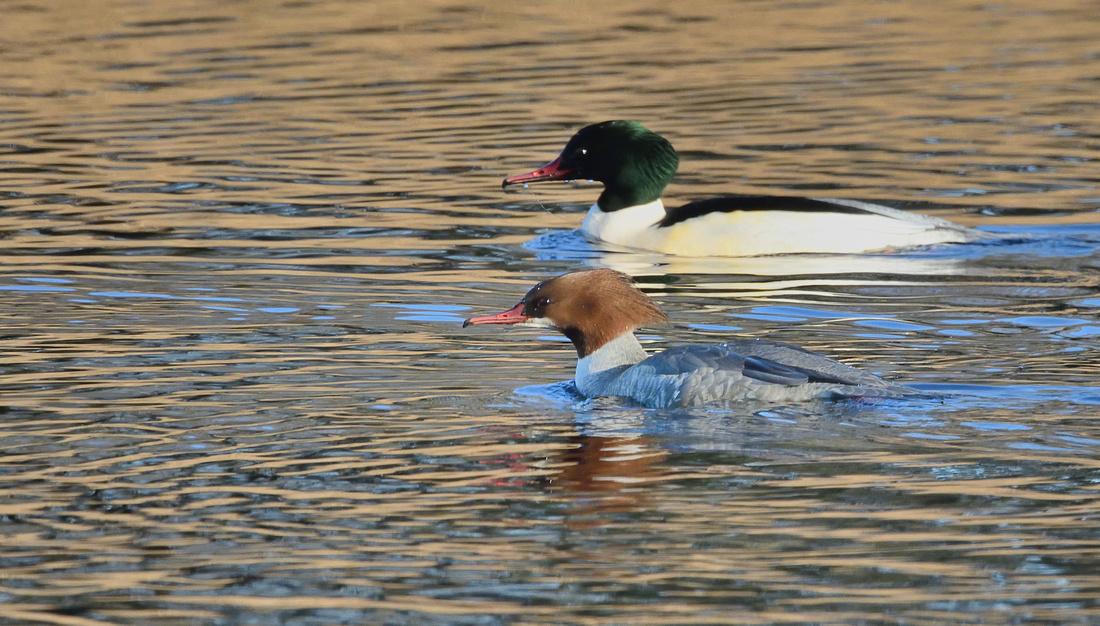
240,239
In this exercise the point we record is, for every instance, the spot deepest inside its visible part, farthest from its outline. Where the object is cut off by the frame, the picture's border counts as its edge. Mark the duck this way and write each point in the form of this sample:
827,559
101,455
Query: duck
636,164
598,310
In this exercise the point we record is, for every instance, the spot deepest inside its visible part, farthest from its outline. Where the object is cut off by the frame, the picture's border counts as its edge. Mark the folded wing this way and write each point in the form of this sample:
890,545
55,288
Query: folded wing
697,375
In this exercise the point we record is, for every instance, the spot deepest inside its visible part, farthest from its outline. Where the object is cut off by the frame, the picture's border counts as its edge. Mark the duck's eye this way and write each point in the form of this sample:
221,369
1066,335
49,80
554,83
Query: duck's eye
580,153
543,302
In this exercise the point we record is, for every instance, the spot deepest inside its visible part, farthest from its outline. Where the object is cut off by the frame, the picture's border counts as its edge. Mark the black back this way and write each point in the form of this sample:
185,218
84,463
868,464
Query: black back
729,204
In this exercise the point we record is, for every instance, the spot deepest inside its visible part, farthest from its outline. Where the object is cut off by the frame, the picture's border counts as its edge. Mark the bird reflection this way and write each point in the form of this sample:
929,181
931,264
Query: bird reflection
608,476
865,268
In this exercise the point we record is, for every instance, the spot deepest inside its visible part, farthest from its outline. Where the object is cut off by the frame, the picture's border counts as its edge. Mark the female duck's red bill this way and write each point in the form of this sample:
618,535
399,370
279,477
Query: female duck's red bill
513,315
551,171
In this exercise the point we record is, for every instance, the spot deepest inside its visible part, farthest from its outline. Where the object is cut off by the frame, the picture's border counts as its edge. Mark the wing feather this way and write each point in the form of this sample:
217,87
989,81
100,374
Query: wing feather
696,375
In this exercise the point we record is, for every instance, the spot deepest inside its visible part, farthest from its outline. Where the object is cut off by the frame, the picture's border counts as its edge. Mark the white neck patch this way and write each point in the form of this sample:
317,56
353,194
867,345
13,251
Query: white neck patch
622,227
622,350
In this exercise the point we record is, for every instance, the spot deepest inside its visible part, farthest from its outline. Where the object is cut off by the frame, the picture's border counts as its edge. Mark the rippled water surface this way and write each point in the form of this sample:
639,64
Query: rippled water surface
240,238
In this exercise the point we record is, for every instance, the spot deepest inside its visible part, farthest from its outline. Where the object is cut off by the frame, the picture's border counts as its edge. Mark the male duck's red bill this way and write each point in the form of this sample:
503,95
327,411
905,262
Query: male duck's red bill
551,171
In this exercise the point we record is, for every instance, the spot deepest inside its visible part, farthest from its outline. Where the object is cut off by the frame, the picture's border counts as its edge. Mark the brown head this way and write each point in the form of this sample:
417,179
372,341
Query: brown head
590,308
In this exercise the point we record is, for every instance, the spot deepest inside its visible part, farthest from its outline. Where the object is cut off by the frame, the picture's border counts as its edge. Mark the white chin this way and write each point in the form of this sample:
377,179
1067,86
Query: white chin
538,322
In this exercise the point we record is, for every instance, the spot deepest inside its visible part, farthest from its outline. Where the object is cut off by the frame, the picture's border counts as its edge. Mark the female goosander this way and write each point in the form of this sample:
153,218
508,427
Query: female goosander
598,311
636,164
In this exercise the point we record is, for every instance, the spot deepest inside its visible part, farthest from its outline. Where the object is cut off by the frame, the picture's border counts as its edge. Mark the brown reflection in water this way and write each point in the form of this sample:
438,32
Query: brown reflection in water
606,475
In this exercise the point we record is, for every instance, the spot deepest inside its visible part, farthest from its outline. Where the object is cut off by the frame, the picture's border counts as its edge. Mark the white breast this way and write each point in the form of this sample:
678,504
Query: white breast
598,370
625,227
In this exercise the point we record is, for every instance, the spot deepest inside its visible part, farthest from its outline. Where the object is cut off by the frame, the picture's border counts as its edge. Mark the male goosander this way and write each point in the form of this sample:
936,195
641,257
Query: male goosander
636,164
598,311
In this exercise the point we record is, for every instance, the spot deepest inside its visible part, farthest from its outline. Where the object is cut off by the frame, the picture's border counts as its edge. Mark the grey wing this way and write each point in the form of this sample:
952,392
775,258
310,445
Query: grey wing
706,374
684,376
816,367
